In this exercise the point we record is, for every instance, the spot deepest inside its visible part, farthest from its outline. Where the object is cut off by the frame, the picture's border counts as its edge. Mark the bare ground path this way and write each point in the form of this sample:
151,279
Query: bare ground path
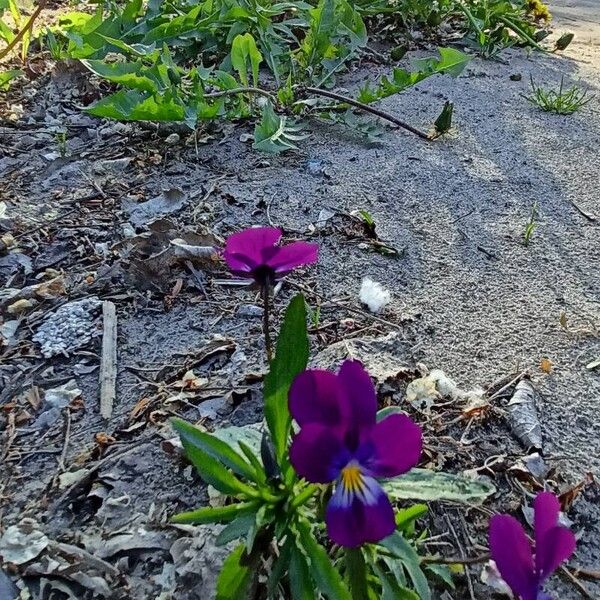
470,297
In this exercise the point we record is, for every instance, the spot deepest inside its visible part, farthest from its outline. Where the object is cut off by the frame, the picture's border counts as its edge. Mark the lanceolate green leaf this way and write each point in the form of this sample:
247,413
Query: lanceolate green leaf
423,484
409,558
235,577
243,49
215,447
290,359
322,570
301,585
218,514
211,469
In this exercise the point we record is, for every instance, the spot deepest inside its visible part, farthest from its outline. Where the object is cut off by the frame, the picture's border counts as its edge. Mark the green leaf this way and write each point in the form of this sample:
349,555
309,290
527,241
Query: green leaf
406,517
236,529
356,573
134,105
6,78
235,577
451,61
210,468
215,447
243,49
126,74
444,122
326,576
291,358
301,584
423,484
274,133
218,514
409,558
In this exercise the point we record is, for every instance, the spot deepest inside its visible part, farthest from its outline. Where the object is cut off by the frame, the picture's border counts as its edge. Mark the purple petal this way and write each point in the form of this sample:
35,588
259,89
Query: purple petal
316,397
557,546
283,260
359,518
317,454
239,264
361,395
546,511
511,552
251,243
397,443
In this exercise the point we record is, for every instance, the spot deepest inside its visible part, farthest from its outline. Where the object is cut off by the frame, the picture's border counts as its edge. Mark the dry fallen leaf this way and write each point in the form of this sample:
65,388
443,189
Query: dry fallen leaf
546,365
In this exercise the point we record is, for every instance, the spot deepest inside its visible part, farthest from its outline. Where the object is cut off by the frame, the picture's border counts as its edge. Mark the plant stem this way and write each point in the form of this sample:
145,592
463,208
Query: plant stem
376,111
441,560
356,572
265,289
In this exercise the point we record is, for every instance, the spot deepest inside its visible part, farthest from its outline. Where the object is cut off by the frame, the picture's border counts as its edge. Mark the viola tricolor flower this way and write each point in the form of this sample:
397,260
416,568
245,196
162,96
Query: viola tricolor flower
341,441
254,254
511,551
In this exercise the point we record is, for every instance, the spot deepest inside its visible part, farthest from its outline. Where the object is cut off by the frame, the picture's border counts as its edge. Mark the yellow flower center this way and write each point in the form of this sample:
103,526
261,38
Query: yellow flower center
352,477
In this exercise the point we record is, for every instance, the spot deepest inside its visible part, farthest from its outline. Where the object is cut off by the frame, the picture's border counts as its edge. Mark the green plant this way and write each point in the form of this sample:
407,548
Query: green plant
531,224
61,142
276,516
564,101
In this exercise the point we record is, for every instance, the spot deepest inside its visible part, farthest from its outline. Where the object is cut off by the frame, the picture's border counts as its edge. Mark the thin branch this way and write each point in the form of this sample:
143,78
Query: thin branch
375,111
455,560
242,90
25,29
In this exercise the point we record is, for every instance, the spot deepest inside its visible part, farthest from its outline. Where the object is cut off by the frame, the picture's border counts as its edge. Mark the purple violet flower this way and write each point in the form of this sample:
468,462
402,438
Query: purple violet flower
253,254
512,552
340,440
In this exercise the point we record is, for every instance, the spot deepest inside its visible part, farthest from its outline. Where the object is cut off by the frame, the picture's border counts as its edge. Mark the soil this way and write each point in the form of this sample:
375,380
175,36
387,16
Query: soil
468,297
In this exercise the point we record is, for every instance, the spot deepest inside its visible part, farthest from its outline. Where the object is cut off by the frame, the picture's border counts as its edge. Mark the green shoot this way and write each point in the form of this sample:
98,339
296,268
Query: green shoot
564,101
531,224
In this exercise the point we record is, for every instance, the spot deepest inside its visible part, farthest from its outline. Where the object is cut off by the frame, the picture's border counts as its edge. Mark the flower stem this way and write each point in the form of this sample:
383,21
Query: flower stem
356,571
265,296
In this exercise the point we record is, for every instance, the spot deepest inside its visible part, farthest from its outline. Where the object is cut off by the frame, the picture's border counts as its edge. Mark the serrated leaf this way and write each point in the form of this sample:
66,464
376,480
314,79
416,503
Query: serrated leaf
135,105
291,358
127,74
423,484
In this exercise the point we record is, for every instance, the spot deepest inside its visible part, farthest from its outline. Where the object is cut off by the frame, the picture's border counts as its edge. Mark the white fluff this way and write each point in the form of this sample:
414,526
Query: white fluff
374,295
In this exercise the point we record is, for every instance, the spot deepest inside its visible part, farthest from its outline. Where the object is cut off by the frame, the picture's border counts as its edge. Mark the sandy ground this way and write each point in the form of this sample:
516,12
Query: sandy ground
480,303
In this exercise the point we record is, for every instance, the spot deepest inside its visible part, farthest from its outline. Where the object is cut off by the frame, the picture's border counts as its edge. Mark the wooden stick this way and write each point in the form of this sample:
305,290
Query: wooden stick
108,366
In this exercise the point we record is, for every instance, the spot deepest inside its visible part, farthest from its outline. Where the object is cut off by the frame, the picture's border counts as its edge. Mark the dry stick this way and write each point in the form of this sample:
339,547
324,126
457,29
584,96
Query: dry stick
108,366
25,29
462,553
376,111
456,560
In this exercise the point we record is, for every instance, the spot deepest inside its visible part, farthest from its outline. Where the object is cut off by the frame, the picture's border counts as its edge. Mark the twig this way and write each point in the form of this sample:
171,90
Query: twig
571,577
375,111
108,366
25,29
462,553
242,90
455,560
585,573
509,385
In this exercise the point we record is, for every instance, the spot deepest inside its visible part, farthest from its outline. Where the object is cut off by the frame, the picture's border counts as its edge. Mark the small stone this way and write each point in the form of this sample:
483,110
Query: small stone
250,311
172,139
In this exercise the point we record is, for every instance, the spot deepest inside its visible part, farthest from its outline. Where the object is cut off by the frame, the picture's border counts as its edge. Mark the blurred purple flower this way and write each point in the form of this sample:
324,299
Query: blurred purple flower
523,572
253,254
339,440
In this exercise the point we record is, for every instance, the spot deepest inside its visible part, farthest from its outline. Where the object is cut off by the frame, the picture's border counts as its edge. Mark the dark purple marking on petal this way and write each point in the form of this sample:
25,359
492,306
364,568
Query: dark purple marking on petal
316,397
511,551
286,258
361,395
317,454
557,546
252,242
396,442
359,518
